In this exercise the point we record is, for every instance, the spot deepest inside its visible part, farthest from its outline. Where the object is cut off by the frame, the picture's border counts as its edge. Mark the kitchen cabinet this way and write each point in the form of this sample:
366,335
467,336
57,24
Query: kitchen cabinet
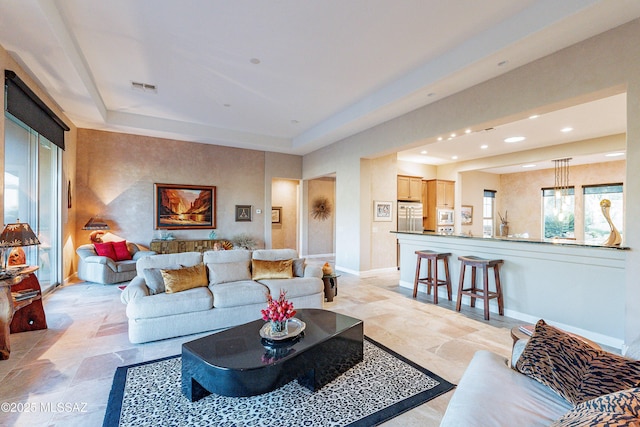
409,188
440,194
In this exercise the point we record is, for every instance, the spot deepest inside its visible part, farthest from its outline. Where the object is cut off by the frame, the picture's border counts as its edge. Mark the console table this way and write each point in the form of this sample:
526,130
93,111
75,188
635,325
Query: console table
176,246
8,307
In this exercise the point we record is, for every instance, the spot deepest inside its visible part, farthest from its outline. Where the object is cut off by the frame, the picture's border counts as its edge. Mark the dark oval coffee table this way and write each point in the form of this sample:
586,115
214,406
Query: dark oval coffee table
238,362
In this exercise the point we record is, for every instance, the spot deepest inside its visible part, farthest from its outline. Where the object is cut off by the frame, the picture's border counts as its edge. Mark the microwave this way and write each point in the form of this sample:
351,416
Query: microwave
445,216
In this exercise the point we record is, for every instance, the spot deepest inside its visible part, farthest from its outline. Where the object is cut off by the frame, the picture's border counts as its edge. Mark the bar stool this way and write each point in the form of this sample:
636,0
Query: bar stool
483,293
432,280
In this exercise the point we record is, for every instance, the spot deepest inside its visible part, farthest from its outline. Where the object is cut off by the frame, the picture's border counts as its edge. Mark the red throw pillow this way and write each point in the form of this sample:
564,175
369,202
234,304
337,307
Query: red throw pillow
121,250
105,249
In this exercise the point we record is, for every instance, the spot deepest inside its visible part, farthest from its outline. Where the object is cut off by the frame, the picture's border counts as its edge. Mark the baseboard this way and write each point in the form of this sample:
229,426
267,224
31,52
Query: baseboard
347,270
369,273
606,340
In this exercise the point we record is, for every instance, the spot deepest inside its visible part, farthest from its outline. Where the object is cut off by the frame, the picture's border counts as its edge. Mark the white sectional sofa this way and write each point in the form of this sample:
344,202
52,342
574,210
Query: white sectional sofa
230,299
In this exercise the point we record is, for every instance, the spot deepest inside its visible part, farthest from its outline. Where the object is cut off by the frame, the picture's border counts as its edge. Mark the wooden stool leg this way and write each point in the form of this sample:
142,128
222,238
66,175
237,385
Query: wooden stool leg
460,284
429,277
496,273
485,278
447,277
434,280
473,286
415,282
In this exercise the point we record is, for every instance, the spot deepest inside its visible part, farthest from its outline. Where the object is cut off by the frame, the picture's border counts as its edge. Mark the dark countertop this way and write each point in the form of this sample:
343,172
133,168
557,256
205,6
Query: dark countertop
557,242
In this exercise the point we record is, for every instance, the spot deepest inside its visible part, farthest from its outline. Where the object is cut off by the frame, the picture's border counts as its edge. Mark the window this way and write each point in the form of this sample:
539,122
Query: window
488,209
558,213
34,140
596,227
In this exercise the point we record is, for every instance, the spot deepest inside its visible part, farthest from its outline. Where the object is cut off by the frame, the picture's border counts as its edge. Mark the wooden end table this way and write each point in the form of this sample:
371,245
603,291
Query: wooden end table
330,286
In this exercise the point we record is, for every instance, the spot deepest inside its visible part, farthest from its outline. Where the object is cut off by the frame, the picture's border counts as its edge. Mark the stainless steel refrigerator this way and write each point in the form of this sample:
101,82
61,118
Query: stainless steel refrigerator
410,217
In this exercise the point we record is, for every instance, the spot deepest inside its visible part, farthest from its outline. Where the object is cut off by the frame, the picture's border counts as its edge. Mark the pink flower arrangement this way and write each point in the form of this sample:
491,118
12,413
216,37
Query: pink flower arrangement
278,310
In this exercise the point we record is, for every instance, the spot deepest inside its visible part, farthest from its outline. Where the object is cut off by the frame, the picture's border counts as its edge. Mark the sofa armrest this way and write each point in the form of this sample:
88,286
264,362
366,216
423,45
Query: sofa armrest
136,289
313,271
142,254
97,259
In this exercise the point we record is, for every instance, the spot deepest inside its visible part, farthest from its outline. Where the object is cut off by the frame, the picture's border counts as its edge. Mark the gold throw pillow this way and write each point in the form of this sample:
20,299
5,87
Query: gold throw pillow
271,269
184,278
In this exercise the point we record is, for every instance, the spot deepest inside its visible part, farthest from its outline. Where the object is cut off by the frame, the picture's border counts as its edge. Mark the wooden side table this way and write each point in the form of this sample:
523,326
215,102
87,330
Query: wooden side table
330,286
8,307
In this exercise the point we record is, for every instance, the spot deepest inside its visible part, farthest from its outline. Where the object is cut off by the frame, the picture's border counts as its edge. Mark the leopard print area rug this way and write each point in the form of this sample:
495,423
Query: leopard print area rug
379,388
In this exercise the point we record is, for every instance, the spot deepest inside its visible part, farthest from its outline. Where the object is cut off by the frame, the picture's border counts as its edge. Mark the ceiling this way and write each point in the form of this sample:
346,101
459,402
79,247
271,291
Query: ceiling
288,76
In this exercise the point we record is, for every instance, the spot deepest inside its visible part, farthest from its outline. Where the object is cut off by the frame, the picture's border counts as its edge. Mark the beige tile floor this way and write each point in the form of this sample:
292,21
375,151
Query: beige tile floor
62,376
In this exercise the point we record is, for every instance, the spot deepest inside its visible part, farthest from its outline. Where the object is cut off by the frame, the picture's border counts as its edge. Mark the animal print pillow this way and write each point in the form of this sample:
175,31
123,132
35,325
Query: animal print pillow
621,408
574,369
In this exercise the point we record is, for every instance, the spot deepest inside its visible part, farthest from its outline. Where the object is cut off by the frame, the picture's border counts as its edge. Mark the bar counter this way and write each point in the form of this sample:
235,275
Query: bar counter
576,286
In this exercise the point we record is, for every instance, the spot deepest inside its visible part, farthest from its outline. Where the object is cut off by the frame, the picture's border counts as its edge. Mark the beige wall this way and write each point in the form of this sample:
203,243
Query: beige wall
68,216
117,172
520,194
284,194
321,232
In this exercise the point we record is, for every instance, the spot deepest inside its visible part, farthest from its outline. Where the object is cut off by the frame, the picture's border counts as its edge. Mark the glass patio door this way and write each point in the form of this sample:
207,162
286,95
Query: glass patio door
32,194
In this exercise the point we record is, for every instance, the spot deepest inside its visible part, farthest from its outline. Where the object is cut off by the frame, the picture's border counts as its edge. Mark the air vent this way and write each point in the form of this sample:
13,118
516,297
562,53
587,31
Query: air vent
144,87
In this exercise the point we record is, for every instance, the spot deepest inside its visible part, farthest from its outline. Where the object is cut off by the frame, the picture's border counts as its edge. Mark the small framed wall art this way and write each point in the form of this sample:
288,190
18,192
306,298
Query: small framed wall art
243,213
382,211
184,206
466,215
276,215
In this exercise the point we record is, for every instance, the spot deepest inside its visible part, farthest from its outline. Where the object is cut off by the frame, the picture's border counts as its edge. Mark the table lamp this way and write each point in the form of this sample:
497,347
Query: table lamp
13,235
98,226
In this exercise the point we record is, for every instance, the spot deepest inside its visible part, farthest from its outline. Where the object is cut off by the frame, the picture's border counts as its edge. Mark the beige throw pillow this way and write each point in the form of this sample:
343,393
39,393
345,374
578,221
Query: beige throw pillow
184,278
272,269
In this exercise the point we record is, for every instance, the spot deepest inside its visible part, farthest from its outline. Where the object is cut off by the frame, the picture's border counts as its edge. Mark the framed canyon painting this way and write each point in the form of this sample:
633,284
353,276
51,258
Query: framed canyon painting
184,206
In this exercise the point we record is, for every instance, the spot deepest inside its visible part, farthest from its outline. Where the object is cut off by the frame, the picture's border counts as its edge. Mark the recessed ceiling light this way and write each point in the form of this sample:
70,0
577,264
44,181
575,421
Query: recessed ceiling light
528,166
453,135
484,147
467,131
614,154
535,116
454,157
255,61
515,139
423,152
439,138
567,129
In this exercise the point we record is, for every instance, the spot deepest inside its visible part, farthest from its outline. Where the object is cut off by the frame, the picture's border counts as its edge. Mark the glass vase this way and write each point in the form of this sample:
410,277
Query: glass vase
279,328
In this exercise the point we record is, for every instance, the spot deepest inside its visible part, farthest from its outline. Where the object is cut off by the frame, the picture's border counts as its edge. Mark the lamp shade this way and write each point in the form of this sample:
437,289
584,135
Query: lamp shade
95,224
18,234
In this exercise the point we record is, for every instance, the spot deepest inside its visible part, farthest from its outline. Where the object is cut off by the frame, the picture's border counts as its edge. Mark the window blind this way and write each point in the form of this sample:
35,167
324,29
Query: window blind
25,105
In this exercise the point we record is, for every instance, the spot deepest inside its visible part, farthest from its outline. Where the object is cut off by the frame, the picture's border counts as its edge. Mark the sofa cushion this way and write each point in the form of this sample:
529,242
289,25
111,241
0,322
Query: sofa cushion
166,261
105,249
491,394
228,272
121,250
621,408
234,294
274,254
184,278
296,287
164,304
282,269
122,266
573,368
235,255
